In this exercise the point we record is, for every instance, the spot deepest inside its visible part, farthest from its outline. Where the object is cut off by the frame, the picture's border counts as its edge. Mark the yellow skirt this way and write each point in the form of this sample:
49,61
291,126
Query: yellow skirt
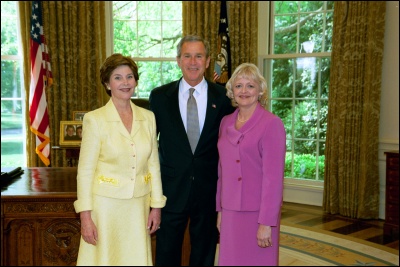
123,238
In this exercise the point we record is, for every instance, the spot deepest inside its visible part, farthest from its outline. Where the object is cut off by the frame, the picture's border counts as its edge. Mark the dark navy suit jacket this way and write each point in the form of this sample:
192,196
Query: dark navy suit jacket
180,168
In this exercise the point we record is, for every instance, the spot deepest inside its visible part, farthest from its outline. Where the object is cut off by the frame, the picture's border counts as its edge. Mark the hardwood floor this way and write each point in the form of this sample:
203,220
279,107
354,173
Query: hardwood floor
314,216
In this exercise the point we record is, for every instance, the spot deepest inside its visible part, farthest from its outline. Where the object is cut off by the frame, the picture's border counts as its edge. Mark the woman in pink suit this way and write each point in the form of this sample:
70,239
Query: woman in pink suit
251,145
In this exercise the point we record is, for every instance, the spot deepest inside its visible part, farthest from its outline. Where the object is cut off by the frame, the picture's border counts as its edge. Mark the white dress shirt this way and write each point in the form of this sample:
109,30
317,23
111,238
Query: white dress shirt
200,94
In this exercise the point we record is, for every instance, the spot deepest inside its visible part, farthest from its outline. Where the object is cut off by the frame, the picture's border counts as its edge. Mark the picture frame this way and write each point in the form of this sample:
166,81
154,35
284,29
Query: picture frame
69,135
78,115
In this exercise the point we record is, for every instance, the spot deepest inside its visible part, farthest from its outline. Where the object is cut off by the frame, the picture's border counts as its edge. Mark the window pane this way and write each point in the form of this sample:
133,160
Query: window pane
13,132
153,74
307,6
149,77
282,78
124,10
171,72
12,135
149,10
289,160
9,40
299,82
305,122
284,110
10,79
149,31
172,33
313,30
306,77
323,119
284,7
285,34
172,10
125,38
325,71
304,164
327,45
321,161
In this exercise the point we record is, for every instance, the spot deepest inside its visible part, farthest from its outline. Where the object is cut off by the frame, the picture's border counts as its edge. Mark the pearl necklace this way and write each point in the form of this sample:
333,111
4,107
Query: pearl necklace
241,120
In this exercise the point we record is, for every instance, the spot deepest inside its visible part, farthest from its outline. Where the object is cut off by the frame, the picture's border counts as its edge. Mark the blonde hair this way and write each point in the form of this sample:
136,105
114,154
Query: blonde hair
251,72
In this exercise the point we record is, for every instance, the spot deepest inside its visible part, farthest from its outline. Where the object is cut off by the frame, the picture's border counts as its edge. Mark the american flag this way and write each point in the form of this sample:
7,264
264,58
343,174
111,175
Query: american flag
41,78
222,66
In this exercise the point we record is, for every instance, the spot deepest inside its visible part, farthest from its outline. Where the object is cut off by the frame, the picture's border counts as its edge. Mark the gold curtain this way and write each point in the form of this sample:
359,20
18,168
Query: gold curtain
202,18
351,186
75,34
243,28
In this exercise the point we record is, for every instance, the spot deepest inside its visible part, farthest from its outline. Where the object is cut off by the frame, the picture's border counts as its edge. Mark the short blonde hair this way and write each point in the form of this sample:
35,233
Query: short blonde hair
251,72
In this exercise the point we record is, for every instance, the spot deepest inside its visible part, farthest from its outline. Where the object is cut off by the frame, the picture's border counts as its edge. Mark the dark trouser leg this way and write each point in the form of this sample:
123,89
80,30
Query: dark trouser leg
203,237
169,238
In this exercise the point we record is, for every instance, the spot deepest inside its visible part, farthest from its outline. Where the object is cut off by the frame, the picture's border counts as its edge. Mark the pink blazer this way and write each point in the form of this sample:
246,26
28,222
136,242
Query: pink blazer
251,165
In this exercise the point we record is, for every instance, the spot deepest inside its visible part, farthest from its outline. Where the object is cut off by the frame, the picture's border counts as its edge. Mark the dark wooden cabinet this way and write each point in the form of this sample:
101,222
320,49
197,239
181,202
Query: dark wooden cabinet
38,221
39,226
71,154
391,226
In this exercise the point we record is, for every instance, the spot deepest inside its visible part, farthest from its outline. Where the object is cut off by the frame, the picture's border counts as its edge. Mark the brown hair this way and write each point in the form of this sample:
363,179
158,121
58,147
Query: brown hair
192,38
113,62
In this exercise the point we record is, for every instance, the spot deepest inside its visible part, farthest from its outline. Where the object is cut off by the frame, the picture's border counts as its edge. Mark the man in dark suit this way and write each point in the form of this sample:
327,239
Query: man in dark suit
189,178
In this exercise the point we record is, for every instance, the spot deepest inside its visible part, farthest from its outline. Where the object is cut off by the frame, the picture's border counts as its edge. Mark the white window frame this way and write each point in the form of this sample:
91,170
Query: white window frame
295,190
110,42
19,58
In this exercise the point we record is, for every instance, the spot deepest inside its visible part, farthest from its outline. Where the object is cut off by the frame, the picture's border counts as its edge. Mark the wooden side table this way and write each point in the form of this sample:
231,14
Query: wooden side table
391,225
71,153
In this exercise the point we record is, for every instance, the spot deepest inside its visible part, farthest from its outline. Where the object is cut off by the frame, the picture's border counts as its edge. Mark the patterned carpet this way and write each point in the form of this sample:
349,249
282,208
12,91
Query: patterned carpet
306,246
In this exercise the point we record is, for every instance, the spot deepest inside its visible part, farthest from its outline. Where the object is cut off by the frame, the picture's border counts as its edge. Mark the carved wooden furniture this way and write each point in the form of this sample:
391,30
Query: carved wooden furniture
71,153
38,221
391,226
39,225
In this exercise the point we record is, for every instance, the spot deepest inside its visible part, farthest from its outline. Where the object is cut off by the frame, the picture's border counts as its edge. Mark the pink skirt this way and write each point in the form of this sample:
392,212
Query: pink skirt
238,241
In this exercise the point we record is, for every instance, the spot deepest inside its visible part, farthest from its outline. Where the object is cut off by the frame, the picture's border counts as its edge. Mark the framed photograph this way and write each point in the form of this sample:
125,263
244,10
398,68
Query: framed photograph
78,115
70,133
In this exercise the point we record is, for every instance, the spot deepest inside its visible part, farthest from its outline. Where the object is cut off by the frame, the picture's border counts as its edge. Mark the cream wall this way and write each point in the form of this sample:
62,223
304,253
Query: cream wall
389,116
389,122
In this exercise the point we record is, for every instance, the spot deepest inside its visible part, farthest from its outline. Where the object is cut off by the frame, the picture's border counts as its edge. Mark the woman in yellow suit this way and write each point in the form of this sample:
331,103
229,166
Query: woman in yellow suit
119,184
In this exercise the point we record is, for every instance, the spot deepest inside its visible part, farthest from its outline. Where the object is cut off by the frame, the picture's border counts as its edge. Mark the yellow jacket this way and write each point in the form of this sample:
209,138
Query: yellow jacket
116,164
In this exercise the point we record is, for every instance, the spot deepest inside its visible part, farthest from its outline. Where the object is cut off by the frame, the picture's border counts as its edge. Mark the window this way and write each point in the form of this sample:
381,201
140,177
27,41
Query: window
149,31
297,67
13,132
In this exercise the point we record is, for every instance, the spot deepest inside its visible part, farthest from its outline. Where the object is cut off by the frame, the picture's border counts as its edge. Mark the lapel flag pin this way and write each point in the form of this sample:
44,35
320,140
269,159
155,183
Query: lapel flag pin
214,106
